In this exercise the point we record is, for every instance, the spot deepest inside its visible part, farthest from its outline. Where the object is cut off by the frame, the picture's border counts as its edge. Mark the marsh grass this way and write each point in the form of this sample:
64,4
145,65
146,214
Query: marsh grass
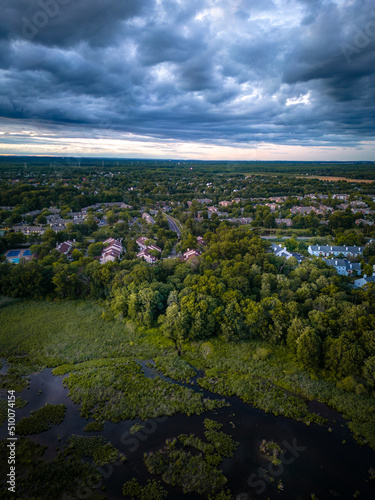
95,447
277,385
39,479
41,420
152,491
56,333
94,427
190,463
120,391
175,367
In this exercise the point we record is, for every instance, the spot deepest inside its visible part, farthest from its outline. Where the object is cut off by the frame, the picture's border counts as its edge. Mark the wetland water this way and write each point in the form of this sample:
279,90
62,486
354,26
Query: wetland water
316,460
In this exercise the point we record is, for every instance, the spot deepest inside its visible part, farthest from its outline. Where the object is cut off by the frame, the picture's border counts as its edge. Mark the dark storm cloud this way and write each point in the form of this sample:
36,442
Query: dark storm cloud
66,22
241,71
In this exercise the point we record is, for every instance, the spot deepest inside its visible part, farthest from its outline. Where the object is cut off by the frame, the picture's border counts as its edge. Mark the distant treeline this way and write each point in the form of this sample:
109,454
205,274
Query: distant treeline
355,170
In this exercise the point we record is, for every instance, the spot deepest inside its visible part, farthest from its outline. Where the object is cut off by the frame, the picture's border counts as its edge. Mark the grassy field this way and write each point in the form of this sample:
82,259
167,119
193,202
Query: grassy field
55,333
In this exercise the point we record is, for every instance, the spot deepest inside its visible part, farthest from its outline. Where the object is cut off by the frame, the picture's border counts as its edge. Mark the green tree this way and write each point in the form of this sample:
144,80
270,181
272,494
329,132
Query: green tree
309,349
269,221
295,330
76,254
95,249
291,245
368,371
174,326
343,357
15,239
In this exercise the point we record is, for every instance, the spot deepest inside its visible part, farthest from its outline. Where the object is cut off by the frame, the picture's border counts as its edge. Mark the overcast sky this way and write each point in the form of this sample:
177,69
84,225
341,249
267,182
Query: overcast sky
206,79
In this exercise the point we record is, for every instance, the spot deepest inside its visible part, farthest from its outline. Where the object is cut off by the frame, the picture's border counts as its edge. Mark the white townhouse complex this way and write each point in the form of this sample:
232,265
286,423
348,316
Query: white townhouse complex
326,251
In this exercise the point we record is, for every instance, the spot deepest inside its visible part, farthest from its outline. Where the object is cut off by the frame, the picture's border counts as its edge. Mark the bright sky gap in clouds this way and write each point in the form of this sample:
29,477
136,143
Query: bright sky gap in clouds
204,79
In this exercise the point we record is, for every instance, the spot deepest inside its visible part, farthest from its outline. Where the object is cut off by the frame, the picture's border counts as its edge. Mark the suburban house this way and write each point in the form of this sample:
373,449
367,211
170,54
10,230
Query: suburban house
29,229
141,242
112,251
147,217
358,204
146,254
283,252
200,241
273,206
278,199
65,247
341,197
326,251
191,253
302,210
203,201
364,281
241,220
225,203
364,222
288,222
325,208
344,266
222,215
363,211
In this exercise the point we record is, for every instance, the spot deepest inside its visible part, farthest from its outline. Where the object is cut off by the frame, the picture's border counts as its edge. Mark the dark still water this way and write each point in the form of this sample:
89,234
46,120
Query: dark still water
329,464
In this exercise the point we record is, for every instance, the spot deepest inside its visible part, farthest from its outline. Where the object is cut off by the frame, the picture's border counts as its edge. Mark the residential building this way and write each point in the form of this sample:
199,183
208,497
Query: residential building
112,250
33,213
363,211
278,199
288,222
65,247
141,242
280,251
147,217
358,204
241,220
365,280
364,222
29,229
344,266
191,253
344,197
273,206
302,210
146,254
202,201
326,251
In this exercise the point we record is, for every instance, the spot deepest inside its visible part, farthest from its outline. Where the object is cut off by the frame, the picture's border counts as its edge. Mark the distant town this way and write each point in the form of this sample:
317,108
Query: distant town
166,218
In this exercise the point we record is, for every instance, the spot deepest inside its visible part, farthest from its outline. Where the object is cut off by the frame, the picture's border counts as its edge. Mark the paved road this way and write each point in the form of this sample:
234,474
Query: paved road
173,226
286,237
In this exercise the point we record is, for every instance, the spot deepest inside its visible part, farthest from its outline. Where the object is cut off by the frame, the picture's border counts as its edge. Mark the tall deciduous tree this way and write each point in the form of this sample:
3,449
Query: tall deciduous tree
309,349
